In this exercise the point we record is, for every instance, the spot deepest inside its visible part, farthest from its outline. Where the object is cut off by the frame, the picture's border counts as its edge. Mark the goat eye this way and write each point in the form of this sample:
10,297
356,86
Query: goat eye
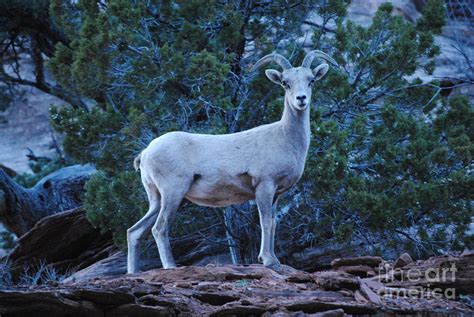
311,82
285,84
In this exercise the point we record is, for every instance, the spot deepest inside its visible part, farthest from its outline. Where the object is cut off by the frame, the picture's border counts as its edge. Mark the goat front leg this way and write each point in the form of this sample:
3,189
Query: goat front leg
272,238
264,194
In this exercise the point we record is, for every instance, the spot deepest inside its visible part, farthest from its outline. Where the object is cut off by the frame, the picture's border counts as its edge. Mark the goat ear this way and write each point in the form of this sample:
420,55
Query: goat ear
320,71
273,75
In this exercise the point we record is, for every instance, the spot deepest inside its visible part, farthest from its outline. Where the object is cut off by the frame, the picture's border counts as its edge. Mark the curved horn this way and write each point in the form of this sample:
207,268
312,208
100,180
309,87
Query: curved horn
276,58
308,59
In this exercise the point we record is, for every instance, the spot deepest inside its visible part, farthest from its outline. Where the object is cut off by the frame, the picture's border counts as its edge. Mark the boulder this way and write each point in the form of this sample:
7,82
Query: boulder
403,260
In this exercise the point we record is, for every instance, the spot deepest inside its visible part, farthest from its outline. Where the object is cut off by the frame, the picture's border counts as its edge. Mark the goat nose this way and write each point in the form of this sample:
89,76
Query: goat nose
301,98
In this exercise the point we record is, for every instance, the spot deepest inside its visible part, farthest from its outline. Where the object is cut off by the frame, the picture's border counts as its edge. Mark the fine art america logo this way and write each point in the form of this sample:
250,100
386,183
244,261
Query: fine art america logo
421,283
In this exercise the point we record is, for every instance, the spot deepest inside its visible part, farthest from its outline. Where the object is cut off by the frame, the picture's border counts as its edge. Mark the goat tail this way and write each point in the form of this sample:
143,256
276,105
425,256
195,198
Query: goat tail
136,162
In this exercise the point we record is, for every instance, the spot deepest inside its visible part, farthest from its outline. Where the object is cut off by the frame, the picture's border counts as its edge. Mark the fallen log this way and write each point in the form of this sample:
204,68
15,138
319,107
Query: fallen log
21,208
65,241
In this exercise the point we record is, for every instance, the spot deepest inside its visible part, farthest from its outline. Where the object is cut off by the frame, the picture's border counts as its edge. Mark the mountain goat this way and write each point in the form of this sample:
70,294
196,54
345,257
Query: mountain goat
219,170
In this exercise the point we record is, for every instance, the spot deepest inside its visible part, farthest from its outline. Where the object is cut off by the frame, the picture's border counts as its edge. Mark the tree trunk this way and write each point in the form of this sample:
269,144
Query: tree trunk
21,208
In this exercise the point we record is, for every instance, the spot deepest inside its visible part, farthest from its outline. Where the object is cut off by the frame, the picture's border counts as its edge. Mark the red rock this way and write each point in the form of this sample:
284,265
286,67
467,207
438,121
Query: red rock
369,293
228,290
467,253
372,261
358,270
360,298
332,280
403,260
375,285
330,313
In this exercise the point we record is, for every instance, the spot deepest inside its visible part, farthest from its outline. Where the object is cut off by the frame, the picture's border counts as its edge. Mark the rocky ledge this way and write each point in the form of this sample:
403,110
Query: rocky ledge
354,286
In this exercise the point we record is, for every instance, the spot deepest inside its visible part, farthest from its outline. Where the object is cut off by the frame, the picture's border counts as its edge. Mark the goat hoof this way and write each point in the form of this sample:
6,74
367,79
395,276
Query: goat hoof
169,266
274,266
272,263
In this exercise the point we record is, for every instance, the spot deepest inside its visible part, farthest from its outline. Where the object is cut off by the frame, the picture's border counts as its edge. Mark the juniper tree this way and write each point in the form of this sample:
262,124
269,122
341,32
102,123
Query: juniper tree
379,173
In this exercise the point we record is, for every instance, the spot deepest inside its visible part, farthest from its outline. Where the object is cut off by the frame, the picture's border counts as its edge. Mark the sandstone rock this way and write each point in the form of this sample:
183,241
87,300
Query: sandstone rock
238,310
358,270
44,303
403,260
127,310
371,261
331,280
330,313
104,297
373,283
313,305
359,297
369,293
216,299
230,290
300,277
438,272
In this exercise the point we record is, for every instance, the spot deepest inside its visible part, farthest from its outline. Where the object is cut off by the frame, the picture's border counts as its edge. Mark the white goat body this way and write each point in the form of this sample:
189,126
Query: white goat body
220,170
225,169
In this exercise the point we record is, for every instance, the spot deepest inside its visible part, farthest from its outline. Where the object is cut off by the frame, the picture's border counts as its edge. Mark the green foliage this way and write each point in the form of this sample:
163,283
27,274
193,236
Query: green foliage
90,136
433,18
380,56
411,176
110,200
457,125
376,171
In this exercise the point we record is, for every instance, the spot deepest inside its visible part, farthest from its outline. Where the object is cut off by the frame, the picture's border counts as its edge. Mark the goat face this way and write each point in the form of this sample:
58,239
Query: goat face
297,82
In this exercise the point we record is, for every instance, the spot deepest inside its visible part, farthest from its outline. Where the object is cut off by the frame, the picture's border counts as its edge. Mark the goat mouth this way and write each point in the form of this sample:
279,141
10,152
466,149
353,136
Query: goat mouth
301,106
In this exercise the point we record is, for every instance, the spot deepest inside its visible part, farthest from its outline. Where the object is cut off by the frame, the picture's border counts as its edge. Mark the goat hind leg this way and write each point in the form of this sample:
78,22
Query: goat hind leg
138,230
170,200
